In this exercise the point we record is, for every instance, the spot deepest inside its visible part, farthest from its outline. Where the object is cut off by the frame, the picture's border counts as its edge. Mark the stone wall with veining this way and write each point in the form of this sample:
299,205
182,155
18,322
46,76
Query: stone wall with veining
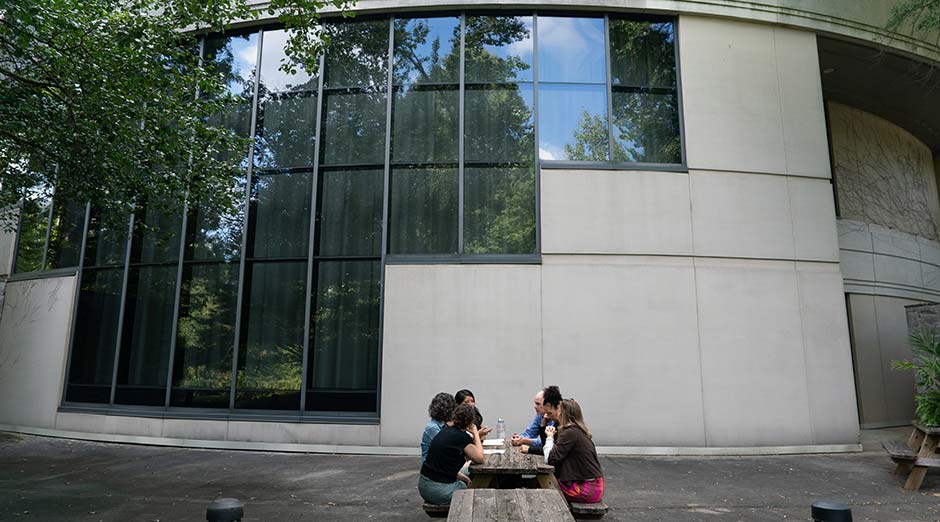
884,175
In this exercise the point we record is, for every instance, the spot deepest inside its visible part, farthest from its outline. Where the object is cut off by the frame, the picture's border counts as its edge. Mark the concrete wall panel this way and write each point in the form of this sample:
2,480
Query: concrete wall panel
814,219
753,365
615,212
801,103
448,327
621,336
829,379
37,315
731,96
741,215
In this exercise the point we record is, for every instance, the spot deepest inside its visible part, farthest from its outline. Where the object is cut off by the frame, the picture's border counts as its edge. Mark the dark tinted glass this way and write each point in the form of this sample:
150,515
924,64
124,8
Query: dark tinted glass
499,124
213,230
354,128
65,236
646,127
424,125
427,50
642,53
499,213
107,241
423,218
279,217
343,363
156,236
270,359
202,366
349,213
358,54
498,49
99,305
148,329
286,131
273,79
572,50
573,122
34,221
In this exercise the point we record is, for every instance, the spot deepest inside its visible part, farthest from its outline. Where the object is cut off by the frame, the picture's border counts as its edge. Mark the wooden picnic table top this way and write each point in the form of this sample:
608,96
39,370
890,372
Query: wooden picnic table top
510,505
929,430
512,461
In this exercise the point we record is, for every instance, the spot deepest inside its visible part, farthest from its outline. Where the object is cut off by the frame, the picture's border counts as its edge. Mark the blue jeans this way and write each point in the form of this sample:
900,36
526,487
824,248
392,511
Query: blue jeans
438,492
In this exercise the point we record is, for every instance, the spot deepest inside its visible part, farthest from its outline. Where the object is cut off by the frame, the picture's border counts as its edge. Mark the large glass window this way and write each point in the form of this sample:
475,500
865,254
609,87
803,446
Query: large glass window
420,137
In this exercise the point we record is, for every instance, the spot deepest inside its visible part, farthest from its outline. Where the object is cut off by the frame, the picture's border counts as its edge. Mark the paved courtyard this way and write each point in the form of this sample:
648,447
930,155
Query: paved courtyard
57,479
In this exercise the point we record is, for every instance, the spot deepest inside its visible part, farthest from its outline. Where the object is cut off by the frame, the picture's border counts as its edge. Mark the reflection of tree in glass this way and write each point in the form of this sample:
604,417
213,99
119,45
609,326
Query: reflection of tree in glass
645,102
346,327
591,139
206,328
357,55
494,31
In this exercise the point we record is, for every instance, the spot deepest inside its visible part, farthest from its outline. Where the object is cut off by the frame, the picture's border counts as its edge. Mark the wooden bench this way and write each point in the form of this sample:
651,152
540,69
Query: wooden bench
899,451
509,505
436,510
594,511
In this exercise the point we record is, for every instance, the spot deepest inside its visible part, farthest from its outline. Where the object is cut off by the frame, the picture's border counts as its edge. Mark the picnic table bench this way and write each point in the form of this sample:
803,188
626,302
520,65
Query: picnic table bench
509,505
915,457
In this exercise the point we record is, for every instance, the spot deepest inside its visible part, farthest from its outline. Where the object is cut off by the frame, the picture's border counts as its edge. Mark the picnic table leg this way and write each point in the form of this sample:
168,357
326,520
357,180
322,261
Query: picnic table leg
481,481
547,481
903,468
927,450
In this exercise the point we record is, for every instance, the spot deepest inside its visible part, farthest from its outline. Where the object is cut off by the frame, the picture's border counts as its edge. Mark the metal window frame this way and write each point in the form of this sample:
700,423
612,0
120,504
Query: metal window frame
384,258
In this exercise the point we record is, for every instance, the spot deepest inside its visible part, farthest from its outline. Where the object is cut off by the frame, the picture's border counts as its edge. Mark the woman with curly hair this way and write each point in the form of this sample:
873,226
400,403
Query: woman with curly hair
574,456
441,411
440,475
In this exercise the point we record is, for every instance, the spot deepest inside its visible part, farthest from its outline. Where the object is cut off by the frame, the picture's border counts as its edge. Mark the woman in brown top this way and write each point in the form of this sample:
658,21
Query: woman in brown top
574,456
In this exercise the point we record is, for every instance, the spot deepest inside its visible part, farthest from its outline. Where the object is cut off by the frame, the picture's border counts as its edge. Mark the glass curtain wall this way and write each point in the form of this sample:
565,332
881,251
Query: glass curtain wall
419,138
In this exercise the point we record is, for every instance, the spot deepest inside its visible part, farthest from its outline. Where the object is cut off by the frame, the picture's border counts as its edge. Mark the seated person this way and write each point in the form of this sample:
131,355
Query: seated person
467,397
440,474
530,437
574,456
551,401
441,411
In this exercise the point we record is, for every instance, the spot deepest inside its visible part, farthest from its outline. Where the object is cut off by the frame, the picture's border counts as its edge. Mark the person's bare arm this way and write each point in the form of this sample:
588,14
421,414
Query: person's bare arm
474,450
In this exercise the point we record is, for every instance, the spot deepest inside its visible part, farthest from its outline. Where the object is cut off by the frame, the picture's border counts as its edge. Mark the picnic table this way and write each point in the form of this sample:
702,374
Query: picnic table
510,505
511,462
915,457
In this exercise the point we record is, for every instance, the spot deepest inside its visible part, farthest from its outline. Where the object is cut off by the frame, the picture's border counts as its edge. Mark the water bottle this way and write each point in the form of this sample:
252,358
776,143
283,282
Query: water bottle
500,429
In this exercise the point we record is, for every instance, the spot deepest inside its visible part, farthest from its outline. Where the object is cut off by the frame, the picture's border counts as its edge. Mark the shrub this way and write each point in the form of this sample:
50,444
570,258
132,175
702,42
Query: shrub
925,363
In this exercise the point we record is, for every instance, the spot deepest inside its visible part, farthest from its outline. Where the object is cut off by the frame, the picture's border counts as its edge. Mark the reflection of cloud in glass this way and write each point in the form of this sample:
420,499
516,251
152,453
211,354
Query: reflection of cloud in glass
560,112
272,54
571,50
547,151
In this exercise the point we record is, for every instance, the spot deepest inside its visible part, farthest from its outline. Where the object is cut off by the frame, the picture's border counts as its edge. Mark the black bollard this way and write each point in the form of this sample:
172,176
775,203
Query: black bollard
225,510
825,511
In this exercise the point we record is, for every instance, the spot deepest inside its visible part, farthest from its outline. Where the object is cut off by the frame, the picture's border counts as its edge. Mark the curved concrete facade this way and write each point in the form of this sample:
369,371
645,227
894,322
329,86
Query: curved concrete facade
702,310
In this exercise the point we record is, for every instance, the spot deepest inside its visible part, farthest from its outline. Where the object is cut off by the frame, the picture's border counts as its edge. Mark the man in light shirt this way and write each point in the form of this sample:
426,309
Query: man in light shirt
530,437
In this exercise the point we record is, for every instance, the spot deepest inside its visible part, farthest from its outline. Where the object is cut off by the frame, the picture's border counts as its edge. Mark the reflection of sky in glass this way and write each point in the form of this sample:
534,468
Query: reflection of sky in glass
521,49
441,30
242,52
560,110
272,53
571,50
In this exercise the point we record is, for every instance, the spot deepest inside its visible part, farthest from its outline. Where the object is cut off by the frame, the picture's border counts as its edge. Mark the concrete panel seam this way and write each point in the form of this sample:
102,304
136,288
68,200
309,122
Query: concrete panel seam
809,401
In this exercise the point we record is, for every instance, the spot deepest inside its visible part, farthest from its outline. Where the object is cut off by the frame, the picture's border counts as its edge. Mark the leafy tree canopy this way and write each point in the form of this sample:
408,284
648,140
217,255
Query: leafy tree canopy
105,99
916,16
